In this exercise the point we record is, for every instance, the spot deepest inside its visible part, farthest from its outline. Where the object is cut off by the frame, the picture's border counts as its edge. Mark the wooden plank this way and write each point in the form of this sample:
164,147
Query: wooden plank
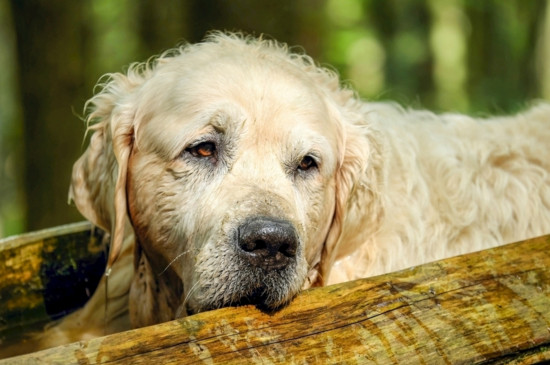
487,307
47,274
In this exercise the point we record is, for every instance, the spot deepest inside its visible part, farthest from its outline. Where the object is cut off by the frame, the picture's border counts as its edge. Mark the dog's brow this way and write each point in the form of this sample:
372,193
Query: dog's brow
221,120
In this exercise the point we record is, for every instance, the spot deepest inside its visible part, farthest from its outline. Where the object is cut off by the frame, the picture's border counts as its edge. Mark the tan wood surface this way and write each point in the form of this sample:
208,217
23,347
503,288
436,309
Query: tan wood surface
486,307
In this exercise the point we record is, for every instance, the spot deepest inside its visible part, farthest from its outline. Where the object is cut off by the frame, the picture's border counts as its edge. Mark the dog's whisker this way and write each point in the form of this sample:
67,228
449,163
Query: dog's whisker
193,288
172,262
184,303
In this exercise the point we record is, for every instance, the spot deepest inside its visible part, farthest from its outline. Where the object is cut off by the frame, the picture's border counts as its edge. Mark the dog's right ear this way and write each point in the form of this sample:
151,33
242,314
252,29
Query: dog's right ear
98,185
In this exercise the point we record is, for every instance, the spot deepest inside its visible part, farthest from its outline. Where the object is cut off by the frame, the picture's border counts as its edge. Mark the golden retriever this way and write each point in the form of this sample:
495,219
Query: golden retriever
236,171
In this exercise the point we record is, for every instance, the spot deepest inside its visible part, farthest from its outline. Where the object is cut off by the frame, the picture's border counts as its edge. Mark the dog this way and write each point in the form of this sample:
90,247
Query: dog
236,171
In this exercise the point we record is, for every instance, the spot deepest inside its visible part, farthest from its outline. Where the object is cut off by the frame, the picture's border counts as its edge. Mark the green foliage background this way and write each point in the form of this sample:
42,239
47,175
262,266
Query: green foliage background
480,57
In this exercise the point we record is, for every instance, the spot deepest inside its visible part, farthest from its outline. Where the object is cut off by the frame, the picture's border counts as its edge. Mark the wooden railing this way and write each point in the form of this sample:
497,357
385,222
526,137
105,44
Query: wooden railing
487,307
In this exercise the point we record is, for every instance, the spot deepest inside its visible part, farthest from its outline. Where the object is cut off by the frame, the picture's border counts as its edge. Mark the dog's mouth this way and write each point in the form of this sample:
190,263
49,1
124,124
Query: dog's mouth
258,298
260,264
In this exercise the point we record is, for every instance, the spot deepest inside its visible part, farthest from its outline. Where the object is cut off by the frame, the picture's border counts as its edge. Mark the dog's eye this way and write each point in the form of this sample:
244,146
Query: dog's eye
203,150
307,163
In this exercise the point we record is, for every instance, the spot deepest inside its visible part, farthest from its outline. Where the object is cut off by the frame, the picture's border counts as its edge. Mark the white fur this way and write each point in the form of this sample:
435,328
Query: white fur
453,184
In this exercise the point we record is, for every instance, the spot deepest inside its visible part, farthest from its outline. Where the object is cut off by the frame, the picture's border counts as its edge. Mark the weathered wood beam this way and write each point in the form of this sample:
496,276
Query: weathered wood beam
487,307
46,274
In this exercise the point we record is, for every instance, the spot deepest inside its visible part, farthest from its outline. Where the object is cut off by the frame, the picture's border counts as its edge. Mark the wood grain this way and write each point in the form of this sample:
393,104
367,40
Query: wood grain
487,307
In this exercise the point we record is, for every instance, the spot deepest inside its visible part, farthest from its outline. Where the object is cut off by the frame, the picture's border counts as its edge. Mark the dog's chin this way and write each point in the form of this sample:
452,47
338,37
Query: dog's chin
269,294
258,299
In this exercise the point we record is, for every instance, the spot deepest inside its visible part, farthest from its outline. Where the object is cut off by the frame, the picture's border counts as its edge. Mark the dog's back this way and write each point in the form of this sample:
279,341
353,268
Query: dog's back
455,184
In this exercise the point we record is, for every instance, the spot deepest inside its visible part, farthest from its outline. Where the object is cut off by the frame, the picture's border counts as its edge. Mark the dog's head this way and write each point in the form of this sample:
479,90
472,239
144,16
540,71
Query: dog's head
238,165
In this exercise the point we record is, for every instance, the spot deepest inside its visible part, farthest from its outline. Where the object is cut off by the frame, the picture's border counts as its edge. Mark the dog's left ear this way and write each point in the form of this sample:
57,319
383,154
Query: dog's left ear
359,180
98,185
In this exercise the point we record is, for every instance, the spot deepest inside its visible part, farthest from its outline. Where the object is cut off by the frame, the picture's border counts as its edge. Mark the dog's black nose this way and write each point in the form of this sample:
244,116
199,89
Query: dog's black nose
267,242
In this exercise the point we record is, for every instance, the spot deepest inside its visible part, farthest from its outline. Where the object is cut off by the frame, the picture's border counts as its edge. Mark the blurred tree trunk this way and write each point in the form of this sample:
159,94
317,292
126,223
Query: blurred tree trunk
543,55
252,17
403,28
501,53
12,201
162,27
50,39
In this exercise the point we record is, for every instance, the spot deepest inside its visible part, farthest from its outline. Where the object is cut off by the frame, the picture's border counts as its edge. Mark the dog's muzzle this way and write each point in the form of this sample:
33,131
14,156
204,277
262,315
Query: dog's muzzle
267,243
